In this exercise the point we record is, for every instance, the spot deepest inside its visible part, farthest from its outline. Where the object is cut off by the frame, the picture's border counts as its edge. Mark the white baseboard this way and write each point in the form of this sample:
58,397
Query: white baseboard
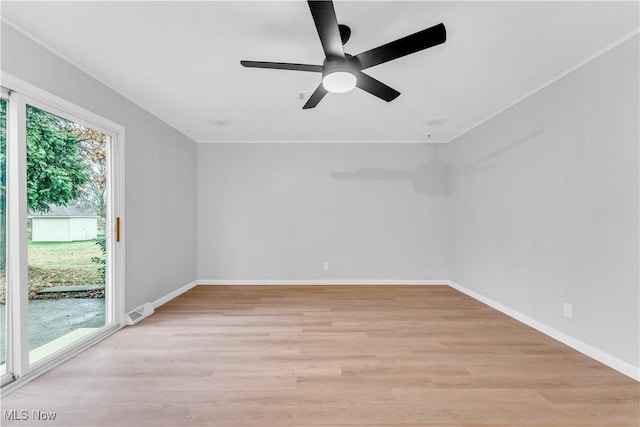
323,282
594,353
165,299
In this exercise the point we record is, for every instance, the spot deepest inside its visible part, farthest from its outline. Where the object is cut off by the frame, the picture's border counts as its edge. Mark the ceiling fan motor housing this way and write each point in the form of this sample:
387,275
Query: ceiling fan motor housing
335,65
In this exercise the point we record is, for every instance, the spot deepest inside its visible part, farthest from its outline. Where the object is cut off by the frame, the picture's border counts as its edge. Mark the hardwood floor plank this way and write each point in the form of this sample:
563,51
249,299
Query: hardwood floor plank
330,356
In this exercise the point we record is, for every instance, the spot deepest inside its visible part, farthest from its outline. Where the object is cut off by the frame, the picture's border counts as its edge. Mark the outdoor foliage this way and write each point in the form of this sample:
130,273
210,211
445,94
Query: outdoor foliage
101,241
3,185
66,162
92,146
55,171
60,264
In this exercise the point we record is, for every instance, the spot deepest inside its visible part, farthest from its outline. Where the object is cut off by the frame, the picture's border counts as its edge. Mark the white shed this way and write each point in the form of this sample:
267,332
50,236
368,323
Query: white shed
64,224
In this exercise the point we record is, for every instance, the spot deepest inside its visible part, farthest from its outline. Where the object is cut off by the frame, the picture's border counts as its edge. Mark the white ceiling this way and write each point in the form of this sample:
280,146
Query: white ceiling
181,61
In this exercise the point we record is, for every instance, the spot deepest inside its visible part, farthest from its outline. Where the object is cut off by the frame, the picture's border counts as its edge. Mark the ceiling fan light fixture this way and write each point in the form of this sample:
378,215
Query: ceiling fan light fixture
339,81
341,71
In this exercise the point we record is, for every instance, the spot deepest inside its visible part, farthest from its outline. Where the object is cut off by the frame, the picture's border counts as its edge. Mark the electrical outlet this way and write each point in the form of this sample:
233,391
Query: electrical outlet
567,310
325,266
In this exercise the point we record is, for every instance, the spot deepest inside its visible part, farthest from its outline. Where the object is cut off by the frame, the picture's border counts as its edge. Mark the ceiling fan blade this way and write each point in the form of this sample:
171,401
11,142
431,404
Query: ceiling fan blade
315,97
324,16
396,49
282,66
376,87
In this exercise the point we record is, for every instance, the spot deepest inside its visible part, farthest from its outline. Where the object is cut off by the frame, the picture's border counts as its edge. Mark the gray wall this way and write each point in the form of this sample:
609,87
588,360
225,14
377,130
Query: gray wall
278,211
545,205
160,171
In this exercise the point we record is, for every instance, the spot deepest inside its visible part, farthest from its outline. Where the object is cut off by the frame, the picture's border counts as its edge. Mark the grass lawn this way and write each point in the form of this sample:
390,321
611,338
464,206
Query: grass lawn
60,263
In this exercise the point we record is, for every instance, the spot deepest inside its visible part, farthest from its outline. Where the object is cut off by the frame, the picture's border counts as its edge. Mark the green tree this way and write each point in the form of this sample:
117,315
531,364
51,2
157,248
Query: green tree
55,170
3,182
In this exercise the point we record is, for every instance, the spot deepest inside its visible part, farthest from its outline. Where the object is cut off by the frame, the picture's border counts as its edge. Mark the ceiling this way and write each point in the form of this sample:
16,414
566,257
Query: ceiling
181,61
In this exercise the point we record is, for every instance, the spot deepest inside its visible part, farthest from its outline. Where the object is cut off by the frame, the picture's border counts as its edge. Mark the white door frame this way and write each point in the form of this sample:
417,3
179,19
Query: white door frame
20,94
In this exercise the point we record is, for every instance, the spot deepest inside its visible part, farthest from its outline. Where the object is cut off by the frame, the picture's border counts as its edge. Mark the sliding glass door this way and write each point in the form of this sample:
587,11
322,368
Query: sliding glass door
61,287
67,206
4,372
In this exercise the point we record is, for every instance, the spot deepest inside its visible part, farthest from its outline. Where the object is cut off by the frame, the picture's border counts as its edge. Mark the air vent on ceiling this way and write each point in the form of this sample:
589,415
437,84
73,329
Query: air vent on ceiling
139,313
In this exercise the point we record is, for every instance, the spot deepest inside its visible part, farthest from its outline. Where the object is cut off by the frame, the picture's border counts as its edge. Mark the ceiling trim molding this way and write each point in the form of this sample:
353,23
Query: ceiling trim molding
570,70
205,141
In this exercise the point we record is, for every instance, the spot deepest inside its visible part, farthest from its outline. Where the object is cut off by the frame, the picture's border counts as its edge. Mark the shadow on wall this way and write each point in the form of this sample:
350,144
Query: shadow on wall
428,179
435,177
480,165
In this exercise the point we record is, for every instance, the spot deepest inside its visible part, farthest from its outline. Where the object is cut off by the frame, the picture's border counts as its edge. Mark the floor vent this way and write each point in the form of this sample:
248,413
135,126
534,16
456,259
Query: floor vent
139,313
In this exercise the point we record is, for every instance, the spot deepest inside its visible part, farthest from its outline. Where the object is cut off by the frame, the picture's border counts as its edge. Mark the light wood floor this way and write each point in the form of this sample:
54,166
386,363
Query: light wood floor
330,356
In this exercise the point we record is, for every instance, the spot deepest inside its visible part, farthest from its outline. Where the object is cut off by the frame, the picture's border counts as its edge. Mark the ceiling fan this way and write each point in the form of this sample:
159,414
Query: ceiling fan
342,72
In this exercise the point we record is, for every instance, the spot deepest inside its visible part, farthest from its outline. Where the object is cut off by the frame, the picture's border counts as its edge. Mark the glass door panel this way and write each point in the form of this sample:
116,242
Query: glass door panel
67,240
3,237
